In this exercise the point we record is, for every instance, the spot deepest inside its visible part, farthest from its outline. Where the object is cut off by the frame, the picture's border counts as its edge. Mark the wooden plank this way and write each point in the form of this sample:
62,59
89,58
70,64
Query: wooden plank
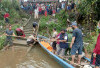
20,42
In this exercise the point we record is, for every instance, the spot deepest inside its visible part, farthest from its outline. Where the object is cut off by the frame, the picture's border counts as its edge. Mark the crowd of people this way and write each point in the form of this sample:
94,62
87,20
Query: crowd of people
47,8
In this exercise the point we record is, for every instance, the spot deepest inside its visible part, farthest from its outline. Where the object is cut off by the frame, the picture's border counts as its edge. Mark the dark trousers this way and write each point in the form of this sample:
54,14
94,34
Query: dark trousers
8,41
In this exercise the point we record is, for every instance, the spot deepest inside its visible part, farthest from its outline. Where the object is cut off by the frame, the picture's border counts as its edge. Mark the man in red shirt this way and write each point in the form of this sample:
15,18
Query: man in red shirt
96,52
6,17
40,10
95,58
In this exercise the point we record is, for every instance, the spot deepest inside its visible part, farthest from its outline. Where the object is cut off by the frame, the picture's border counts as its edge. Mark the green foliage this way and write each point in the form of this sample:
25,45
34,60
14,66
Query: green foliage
62,17
16,26
43,22
7,5
14,13
10,7
89,10
92,44
52,25
2,39
88,6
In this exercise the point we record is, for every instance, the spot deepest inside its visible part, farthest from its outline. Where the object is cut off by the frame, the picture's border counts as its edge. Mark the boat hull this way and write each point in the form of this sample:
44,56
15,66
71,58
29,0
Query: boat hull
59,60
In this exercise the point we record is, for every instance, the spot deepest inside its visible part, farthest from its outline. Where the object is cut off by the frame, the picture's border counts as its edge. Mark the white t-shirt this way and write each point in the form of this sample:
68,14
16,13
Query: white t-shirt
30,38
36,11
54,34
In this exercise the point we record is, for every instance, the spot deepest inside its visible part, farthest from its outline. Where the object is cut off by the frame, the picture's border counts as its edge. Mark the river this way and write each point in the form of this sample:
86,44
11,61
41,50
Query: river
36,58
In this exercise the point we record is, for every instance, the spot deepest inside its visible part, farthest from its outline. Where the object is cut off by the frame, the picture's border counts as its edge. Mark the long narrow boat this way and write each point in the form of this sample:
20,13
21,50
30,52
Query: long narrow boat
48,49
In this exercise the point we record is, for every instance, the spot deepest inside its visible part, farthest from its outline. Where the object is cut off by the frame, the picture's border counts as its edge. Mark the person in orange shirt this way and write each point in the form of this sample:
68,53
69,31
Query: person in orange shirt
45,13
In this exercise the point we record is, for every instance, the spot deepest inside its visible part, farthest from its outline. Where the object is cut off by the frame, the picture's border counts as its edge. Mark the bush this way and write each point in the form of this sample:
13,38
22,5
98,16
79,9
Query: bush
62,17
10,7
2,39
92,44
43,23
50,25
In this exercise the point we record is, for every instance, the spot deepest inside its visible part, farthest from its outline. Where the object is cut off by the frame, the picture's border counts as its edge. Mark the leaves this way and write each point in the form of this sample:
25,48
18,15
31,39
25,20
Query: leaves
2,39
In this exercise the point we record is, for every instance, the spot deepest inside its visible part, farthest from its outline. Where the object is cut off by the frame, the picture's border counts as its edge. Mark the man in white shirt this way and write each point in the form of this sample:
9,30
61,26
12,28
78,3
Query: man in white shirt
36,13
54,43
54,33
31,39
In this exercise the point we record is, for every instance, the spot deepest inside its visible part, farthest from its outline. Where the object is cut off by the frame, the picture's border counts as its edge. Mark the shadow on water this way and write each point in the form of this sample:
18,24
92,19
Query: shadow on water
36,58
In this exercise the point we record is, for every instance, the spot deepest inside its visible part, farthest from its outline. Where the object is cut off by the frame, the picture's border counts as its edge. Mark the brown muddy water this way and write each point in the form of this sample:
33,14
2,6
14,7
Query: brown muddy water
36,58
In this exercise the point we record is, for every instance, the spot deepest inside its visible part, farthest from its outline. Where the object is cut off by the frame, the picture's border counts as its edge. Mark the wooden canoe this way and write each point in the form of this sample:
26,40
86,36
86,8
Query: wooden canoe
48,49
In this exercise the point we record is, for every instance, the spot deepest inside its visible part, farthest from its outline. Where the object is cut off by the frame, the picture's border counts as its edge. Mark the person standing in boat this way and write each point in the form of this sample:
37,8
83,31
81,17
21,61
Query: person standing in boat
77,43
63,38
9,33
54,43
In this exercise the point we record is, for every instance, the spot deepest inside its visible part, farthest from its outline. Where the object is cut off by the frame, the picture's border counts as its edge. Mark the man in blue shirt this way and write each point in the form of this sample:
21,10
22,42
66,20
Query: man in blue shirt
9,33
77,43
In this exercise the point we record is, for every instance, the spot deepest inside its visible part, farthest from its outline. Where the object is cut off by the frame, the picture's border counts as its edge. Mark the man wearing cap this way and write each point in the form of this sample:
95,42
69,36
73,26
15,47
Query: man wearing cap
63,38
77,43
